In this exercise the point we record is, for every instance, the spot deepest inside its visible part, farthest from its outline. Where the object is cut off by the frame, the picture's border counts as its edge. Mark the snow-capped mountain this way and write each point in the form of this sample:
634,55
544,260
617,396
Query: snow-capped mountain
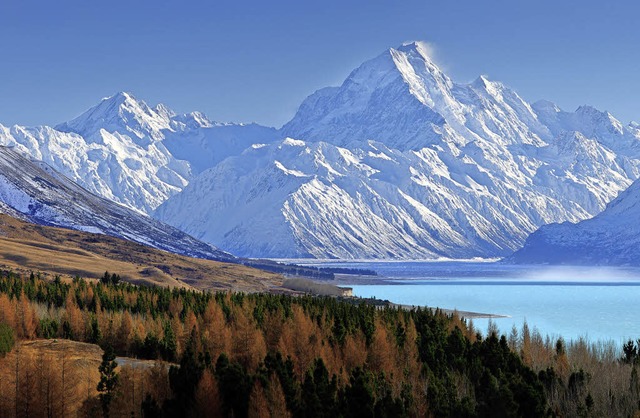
128,152
610,238
293,199
205,146
124,114
400,161
191,137
33,191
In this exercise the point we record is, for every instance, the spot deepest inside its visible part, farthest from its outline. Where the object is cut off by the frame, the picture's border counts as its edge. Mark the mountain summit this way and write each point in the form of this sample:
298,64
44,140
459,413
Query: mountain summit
121,113
129,152
400,161
385,99
403,99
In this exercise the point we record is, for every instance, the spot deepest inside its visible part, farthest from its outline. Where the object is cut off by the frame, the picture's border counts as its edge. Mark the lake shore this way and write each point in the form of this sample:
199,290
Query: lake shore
462,314
339,288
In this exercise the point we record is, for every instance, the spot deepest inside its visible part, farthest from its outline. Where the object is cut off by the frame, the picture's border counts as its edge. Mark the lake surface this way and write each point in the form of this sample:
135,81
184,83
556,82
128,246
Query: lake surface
599,303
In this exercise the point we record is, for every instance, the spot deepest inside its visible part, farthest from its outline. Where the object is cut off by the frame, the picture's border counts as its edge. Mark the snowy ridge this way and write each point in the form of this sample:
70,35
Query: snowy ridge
402,162
399,161
610,238
126,151
34,192
113,165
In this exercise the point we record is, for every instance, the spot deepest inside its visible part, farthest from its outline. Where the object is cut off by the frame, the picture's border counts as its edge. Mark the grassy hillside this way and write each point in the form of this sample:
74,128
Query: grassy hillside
28,247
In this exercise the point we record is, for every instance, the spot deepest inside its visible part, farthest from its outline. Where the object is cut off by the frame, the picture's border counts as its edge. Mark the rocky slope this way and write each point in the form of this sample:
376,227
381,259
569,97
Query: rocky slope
36,193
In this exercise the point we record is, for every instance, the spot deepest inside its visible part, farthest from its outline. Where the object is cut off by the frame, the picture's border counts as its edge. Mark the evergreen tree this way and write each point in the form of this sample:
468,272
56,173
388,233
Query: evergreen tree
169,345
184,379
95,335
108,379
7,339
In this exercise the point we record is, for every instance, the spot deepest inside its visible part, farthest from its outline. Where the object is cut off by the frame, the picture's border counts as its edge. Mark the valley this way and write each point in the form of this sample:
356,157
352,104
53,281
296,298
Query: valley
139,244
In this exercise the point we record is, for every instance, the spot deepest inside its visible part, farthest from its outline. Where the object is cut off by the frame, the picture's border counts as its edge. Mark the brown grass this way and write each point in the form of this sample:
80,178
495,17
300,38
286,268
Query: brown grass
26,247
60,377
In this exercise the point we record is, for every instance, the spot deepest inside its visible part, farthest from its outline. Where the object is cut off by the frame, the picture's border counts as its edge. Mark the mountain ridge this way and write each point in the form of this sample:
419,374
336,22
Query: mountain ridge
37,194
609,238
123,149
402,162
398,161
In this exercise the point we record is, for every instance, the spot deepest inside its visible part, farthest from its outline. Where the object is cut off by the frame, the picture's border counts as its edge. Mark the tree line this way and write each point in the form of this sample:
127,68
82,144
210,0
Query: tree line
270,355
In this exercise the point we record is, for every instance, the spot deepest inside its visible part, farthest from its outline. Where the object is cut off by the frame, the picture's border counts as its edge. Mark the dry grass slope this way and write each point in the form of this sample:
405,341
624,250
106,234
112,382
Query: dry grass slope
26,247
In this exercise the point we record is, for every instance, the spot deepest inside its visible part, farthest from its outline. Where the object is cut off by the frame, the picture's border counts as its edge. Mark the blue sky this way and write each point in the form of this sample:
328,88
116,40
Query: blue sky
257,60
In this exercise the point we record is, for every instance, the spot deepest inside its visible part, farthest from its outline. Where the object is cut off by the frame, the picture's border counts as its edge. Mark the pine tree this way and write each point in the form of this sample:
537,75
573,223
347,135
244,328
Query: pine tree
7,339
184,379
108,379
169,345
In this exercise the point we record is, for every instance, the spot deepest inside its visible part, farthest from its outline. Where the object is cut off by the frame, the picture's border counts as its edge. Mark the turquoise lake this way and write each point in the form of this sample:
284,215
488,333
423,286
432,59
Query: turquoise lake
597,303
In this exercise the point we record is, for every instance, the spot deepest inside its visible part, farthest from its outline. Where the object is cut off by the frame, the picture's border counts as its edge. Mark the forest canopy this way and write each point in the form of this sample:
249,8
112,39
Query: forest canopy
278,355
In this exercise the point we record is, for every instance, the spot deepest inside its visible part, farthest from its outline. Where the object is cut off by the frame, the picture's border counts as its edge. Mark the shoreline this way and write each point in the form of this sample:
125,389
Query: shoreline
356,279
461,314
337,288
321,261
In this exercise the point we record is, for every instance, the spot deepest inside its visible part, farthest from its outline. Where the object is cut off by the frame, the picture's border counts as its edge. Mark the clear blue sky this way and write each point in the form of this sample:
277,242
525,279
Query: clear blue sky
256,61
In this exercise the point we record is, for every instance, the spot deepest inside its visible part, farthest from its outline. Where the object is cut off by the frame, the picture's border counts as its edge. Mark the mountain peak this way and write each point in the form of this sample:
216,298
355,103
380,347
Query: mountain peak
121,113
545,106
588,110
164,111
376,99
120,96
123,102
482,82
417,59
424,49
419,54
120,99
192,120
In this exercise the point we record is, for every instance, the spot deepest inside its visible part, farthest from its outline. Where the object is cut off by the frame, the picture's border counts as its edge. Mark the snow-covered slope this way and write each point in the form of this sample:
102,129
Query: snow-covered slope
400,161
131,153
108,164
610,238
33,191
191,137
205,146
